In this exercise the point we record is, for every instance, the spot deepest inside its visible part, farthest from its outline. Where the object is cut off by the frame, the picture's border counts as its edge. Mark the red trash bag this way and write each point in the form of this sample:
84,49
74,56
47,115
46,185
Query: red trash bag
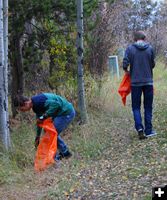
47,147
125,87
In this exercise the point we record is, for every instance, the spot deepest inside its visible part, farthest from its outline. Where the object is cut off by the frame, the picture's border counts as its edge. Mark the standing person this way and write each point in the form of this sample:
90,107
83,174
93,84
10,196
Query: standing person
49,105
139,57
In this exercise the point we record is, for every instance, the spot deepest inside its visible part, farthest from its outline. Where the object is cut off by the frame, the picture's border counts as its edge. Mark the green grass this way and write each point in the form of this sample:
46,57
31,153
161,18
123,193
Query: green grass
148,197
20,156
108,139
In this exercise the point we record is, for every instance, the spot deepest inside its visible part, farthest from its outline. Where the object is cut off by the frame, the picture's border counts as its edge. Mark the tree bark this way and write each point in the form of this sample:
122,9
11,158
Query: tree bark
81,90
17,70
4,119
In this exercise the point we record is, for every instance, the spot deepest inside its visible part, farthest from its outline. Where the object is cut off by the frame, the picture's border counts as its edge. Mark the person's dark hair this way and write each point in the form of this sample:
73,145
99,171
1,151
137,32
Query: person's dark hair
19,100
139,35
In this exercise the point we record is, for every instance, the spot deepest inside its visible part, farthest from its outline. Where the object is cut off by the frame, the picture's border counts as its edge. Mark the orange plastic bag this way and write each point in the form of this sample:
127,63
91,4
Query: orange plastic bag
47,147
125,87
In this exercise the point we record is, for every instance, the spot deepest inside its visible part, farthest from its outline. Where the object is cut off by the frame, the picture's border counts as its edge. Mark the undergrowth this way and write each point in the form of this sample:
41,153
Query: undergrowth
89,142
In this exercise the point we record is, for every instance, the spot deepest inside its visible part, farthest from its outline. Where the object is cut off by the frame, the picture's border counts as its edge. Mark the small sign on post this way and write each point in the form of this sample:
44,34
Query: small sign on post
120,53
113,65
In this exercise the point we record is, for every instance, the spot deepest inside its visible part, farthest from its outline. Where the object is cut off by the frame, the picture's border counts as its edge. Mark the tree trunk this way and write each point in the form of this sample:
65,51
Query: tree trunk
81,90
17,70
51,67
4,121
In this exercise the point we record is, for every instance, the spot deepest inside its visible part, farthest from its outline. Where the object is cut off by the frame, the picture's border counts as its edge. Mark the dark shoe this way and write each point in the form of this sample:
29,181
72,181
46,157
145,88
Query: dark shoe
58,157
66,155
153,133
141,135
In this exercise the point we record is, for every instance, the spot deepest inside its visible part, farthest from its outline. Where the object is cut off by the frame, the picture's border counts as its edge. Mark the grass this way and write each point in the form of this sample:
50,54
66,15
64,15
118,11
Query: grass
19,157
107,155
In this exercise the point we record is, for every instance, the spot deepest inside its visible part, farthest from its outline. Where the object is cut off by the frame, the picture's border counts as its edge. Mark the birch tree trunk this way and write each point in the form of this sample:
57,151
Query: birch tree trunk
81,90
4,120
5,26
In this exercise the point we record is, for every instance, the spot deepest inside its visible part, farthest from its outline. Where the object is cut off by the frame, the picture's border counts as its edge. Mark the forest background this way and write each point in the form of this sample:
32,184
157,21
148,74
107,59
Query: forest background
43,57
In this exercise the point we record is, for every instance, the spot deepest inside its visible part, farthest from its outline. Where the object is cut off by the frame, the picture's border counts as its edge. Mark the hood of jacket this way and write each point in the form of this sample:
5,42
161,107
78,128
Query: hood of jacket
141,45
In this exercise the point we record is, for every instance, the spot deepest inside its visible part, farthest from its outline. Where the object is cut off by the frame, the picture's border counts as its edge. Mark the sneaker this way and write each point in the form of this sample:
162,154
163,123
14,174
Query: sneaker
58,157
141,135
153,133
66,155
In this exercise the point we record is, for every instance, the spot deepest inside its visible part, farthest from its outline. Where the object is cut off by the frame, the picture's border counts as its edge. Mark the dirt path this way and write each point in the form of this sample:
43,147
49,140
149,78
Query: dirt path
125,170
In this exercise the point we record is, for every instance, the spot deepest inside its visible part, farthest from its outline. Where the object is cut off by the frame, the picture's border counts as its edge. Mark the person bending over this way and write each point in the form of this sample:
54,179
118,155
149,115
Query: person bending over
46,105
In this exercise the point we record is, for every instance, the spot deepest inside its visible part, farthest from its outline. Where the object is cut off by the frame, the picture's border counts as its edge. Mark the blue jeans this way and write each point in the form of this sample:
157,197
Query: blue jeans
61,123
136,93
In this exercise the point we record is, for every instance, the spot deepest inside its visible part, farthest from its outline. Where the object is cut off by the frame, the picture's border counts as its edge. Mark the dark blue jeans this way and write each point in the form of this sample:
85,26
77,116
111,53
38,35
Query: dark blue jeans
136,93
61,123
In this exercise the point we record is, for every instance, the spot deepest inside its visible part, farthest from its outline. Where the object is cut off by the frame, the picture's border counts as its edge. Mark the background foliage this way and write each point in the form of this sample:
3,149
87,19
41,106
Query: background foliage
42,55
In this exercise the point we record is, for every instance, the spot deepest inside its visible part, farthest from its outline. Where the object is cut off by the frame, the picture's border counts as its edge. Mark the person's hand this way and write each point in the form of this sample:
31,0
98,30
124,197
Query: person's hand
127,71
41,119
37,140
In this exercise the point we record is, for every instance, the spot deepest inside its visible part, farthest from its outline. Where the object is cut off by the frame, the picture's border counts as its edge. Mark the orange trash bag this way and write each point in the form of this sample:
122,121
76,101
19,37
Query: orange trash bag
47,147
125,87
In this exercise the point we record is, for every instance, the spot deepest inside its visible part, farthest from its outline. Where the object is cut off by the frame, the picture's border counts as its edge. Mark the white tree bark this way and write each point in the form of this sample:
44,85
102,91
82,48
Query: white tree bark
5,23
81,90
4,121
